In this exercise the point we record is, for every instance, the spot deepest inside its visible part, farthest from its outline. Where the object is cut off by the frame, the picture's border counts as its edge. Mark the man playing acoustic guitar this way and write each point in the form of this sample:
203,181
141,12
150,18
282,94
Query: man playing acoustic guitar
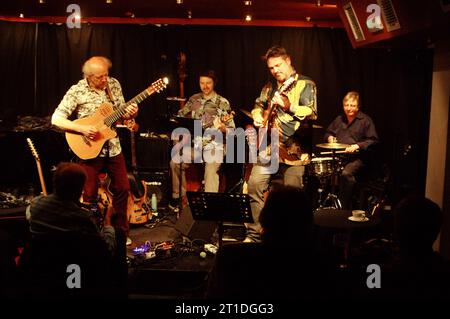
287,104
82,100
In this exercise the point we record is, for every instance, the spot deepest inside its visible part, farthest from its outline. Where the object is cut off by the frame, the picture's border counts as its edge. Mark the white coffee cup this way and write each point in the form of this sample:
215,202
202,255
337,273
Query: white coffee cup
358,214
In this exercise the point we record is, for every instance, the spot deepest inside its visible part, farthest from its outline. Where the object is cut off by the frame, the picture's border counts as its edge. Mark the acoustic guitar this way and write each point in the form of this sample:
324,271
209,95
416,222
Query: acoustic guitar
38,165
103,119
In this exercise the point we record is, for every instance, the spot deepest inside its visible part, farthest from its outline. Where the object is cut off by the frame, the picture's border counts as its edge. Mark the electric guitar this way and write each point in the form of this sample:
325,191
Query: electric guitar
103,119
290,152
138,208
38,165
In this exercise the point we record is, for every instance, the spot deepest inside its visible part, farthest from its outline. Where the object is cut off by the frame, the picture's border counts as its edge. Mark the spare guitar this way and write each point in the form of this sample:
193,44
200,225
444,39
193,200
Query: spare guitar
103,119
38,165
138,209
103,209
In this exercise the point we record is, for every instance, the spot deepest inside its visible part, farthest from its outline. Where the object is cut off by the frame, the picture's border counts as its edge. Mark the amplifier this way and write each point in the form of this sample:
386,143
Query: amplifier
158,183
153,152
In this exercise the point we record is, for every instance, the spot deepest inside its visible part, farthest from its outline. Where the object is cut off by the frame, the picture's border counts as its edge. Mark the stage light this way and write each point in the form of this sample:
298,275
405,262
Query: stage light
248,17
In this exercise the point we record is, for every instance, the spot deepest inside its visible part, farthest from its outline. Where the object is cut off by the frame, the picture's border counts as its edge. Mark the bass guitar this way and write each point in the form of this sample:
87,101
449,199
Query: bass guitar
138,208
103,119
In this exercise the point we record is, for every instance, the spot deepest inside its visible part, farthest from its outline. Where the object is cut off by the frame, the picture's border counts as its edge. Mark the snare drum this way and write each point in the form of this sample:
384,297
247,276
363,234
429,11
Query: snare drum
321,166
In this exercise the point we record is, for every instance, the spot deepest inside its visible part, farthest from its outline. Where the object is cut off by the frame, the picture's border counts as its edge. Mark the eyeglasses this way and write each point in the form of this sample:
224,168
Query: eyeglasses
99,77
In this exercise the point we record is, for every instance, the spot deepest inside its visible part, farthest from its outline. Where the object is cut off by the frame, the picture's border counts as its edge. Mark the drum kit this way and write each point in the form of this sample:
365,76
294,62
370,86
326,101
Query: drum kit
326,169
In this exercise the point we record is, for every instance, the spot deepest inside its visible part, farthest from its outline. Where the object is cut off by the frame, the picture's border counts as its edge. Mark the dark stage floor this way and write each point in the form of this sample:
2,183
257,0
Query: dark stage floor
173,268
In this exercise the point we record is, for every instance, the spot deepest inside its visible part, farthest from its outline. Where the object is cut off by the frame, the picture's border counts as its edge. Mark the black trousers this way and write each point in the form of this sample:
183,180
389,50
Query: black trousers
347,181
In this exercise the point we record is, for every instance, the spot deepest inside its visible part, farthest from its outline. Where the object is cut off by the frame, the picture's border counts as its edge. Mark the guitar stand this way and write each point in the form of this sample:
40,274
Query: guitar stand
220,207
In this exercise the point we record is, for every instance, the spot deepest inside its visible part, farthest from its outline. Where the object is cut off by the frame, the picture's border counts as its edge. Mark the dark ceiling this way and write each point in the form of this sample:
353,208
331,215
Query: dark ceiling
226,12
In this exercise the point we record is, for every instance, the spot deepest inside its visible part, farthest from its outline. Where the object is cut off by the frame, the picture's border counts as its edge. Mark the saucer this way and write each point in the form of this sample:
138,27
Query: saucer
353,219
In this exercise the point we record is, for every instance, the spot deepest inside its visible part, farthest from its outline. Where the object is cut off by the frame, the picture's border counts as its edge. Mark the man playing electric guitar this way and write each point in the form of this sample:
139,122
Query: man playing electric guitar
286,105
83,99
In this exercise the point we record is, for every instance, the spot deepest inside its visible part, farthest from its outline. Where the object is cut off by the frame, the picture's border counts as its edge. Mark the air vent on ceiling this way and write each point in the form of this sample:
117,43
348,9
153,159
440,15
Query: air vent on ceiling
353,22
389,15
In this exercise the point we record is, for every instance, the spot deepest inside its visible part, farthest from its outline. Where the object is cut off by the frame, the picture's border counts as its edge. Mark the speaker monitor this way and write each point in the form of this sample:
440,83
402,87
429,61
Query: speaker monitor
153,152
157,182
383,23
194,229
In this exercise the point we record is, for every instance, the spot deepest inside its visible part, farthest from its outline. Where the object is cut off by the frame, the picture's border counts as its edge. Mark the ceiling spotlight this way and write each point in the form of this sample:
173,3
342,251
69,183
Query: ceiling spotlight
109,1
41,1
248,17
318,3
189,14
248,3
179,1
308,19
21,15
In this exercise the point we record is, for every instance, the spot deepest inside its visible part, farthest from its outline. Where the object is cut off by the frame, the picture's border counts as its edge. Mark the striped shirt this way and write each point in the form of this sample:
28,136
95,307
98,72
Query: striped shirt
51,214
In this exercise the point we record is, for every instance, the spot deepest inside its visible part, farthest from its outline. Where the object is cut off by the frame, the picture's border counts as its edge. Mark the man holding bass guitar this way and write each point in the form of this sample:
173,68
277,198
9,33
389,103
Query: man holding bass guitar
287,104
83,99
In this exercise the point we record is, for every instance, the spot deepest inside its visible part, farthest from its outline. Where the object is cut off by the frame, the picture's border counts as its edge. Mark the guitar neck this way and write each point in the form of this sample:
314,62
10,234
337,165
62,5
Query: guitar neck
41,178
285,87
38,165
121,110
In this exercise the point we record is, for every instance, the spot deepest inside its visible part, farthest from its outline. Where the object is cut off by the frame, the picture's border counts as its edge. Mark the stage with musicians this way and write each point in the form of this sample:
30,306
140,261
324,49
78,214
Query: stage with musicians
178,151
173,249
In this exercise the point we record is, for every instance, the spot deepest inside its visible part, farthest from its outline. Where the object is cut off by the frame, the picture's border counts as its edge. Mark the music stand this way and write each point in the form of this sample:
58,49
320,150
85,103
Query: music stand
220,207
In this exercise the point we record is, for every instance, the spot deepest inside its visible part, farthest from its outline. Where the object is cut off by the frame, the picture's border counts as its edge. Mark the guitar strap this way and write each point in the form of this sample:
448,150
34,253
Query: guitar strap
113,101
110,95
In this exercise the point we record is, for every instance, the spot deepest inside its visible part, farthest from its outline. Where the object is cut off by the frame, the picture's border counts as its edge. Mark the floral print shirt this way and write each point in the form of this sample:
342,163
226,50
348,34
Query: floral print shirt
82,101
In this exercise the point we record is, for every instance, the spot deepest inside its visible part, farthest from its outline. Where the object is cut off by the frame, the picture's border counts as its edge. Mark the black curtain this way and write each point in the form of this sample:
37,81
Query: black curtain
41,61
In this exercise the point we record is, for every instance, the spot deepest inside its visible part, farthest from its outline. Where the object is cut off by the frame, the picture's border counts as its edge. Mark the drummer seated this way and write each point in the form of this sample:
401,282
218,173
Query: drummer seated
356,129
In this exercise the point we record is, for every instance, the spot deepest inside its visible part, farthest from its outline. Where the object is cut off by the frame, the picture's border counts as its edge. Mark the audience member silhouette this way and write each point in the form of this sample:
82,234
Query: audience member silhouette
64,234
418,272
284,265
8,272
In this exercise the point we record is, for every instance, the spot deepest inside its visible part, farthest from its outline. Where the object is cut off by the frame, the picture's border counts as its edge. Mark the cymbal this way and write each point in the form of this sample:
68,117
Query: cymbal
333,146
